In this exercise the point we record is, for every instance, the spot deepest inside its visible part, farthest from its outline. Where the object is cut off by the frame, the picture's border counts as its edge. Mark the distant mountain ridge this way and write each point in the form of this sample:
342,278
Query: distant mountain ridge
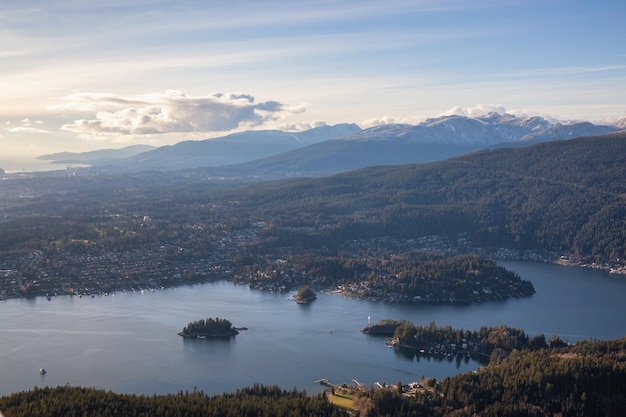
331,149
492,129
96,156
396,144
236,148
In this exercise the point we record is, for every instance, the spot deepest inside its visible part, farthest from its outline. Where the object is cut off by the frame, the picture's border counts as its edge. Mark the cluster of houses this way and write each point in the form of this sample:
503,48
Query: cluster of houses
100,272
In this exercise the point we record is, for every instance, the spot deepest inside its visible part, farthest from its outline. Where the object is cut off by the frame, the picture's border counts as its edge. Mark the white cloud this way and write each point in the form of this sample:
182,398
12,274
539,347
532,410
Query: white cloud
27,122
378,121
387,120
476,111
27,129
617,121
26,126
169,112
300,126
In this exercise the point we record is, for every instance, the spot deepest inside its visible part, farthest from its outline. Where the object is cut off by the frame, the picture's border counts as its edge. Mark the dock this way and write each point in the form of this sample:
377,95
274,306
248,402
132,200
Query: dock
325,382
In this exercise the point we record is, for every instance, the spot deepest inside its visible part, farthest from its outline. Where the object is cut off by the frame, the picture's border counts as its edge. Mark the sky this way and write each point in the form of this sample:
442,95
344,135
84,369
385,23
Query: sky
80,75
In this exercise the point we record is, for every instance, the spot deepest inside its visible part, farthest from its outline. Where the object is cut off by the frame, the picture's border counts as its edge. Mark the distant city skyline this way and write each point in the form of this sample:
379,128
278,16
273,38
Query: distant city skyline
79,76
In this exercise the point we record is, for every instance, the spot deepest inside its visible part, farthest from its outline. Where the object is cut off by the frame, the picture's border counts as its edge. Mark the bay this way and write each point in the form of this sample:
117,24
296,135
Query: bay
129,343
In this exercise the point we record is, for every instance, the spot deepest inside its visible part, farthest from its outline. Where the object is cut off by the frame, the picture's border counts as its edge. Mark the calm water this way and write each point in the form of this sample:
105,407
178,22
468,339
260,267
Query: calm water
24,164
128,342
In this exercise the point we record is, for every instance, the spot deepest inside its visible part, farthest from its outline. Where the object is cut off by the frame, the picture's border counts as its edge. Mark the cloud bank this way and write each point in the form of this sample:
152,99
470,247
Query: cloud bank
27,126
169,112
476,111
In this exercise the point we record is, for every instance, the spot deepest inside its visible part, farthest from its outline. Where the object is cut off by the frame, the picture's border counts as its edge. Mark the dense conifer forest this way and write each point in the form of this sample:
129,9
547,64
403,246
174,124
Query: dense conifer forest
588,379
411,276
210,327
562,196
257,400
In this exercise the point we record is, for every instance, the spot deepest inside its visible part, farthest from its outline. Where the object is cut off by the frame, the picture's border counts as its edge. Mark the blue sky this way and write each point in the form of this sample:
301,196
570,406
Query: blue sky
82,75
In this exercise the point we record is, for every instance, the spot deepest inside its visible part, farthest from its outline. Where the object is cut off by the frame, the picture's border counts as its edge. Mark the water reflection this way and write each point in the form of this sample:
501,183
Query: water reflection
208,343
414,355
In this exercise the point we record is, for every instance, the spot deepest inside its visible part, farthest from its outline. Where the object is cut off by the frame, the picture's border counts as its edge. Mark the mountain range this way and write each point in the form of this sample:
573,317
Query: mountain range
101,156
331,149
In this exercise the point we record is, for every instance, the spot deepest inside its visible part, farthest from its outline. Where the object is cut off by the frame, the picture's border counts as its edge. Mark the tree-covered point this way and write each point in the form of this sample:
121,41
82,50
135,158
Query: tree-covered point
410,276
493,343
385,327
211,327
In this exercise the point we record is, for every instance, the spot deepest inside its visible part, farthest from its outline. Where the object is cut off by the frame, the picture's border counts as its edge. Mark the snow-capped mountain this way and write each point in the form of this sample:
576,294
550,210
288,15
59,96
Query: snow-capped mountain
620,123
330,149
489,130
432,140
567,131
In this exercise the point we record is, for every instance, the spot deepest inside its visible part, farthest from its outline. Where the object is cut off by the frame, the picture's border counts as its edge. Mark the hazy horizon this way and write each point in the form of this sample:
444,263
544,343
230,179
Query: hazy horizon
25,164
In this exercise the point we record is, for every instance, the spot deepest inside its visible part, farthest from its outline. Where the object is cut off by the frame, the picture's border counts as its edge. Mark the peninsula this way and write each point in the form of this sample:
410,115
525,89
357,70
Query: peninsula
211,327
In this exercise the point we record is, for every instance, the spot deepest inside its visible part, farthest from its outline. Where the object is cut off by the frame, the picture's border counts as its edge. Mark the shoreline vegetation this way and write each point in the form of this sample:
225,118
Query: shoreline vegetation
209,328
405,276
105,288
484,345
356,290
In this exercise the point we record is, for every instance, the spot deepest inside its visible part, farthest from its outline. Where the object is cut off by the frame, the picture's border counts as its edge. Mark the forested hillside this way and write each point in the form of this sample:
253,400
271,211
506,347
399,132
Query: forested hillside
588,380
73,231
558,196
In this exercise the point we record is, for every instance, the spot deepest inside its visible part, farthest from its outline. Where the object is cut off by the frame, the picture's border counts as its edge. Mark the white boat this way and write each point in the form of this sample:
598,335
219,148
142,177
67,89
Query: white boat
42,371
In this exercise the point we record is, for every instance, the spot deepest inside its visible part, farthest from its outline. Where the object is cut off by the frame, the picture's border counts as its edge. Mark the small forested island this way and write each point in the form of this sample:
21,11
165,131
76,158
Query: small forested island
211,327
305,295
